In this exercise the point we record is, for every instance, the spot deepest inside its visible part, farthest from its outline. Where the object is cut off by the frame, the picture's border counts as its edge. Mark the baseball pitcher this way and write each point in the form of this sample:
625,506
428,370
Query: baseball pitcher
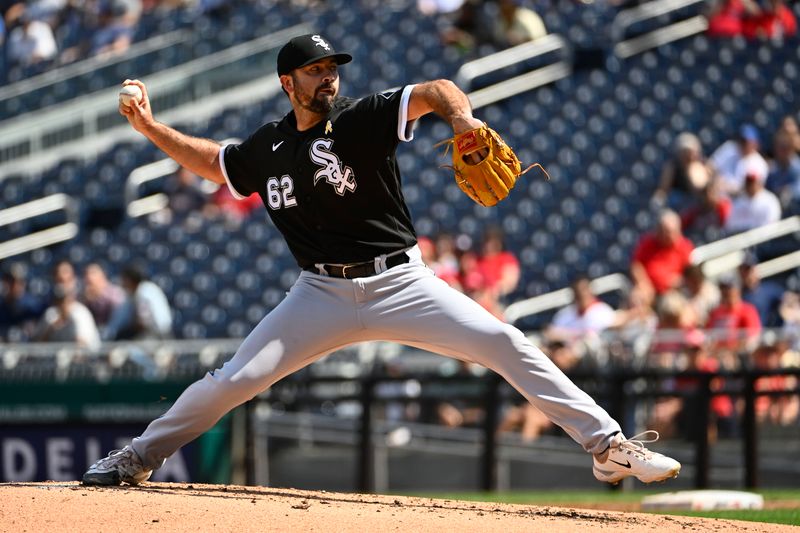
329,179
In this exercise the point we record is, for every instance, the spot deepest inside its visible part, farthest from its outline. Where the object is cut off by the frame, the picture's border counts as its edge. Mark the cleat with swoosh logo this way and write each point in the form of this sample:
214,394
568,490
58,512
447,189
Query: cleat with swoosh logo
629,457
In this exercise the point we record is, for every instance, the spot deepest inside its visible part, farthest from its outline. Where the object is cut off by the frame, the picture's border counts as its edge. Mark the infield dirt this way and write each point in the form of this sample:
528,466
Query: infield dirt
155,507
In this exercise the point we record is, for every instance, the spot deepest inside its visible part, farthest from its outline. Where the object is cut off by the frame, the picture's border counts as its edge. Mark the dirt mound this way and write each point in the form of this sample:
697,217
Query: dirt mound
67,506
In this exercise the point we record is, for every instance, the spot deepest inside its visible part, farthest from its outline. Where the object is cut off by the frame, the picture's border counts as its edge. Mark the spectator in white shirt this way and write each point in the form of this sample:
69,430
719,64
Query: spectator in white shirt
32,42
68,320
146,313
585,316
737,158
755,208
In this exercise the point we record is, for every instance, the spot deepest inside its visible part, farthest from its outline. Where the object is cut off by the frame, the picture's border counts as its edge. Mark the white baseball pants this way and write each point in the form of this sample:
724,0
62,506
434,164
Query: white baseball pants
406,304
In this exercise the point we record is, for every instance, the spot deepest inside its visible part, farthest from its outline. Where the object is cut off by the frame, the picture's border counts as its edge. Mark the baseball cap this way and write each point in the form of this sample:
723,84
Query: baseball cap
306,49
748,132
729,279
749,259
687,141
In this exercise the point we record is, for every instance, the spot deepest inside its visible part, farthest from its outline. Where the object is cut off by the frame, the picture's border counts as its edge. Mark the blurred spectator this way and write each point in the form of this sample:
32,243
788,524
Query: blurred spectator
784,170
736,322
790,128
777,410
222,203
525,418
114,33
765,295
676,320
427,250
723,420
661,256
790,315
587,315
18,308
145,314
68,320
100,296
447,266
712,211
445,269
736,158
435,7
488,277
685,176
64,277
499,267
517,24
726,17
185,193
636,317
755,208
470,277
469,28
773,20
31,42
459,412
701,294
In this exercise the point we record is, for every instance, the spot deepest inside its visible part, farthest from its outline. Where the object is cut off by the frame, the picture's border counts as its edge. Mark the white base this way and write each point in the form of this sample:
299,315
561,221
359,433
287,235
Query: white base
703,500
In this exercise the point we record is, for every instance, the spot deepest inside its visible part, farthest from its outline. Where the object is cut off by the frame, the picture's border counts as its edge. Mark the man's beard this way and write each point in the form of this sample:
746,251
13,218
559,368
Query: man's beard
320,103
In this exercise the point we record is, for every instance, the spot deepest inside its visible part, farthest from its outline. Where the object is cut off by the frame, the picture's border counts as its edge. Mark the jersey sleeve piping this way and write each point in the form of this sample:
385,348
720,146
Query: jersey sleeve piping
405,128
236,194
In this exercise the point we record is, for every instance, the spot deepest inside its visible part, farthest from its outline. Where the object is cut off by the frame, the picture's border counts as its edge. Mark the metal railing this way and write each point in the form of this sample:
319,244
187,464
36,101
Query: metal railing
618,392
40,238
716,257
192,84
92,65
746,239
621,389
561,297
139,206
561,67
624,48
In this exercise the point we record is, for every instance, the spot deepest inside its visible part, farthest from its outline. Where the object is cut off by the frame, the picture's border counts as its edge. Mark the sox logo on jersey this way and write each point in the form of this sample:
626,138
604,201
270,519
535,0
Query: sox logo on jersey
341,177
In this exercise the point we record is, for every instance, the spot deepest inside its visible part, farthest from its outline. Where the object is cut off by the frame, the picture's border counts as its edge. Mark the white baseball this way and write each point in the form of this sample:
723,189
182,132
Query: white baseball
128,93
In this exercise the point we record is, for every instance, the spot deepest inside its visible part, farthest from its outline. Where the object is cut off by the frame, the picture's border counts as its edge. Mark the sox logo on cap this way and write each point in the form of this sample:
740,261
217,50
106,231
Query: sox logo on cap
321,42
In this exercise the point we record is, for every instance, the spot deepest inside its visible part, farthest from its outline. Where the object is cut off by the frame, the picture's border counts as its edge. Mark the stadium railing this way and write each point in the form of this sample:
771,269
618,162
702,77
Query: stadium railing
552,54
716,257
97,67
139,206
91,123
365,381
626,19
43,237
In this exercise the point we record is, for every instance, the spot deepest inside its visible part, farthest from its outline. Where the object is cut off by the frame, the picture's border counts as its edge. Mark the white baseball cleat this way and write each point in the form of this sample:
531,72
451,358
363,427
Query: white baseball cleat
121,466
628,457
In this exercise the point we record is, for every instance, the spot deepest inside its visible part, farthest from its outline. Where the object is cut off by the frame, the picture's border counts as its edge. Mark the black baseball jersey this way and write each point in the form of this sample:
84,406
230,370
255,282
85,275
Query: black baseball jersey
333,191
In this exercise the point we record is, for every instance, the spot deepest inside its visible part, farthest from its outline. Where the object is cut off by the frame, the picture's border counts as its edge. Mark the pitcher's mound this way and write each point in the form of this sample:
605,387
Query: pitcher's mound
68,506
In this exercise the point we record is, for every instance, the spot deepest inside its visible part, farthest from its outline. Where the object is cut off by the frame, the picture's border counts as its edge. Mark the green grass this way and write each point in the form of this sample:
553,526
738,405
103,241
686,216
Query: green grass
773,516
577,497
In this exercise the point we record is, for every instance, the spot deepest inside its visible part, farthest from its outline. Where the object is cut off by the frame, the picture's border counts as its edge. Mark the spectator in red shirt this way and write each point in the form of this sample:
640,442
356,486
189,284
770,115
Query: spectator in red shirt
661,256
723,418
774,20
447,266
736,321
726,16
778,410
500,268
232,210
712,210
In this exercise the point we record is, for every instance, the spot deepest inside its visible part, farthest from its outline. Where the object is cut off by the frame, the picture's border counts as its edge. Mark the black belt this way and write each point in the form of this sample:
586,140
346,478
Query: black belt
359,270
